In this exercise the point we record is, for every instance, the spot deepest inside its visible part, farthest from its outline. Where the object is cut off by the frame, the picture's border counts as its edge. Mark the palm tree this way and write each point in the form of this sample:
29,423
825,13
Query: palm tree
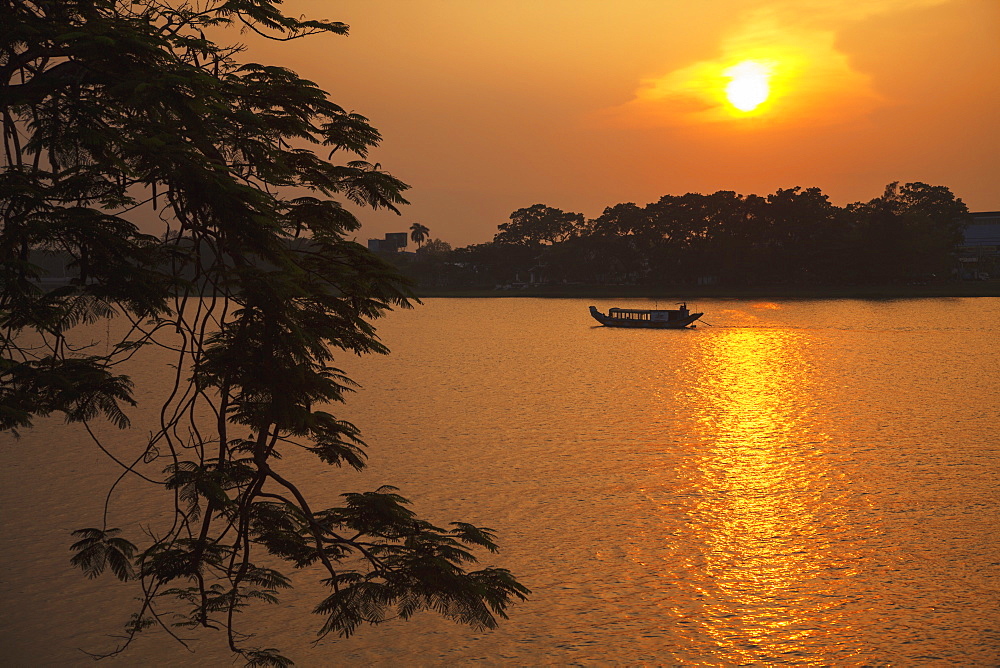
418,233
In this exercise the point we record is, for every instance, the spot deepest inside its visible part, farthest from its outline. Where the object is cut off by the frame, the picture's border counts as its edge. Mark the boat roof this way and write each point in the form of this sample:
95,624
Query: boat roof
640,310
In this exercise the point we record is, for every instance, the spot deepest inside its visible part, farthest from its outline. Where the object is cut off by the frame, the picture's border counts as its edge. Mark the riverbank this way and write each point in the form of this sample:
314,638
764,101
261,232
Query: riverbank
990,288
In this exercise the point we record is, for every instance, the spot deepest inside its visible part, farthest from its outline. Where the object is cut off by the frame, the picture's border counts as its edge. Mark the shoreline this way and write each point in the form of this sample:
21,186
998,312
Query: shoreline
950,289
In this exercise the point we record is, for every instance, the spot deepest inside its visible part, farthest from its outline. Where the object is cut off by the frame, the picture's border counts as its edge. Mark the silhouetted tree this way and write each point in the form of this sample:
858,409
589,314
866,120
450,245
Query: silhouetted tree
909,232
496,264
435,248
418,233
620,220
537,225
621,236
792,235
109,107
801,236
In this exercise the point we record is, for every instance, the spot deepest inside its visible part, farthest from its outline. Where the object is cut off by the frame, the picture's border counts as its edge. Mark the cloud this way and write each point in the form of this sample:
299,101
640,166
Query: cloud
812,83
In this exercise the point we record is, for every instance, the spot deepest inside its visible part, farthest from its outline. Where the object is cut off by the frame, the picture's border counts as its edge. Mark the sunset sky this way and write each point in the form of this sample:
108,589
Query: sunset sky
487,107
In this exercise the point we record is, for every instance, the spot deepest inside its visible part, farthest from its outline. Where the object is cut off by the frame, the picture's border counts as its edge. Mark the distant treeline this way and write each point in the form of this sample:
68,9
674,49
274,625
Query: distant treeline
793,236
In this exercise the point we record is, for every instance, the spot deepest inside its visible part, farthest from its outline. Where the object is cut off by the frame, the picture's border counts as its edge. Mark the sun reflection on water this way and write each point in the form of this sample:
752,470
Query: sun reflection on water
765,556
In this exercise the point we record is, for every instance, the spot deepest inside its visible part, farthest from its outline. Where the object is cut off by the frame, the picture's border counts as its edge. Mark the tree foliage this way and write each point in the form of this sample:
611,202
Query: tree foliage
418,233
434,248
794,235
115,108
538,224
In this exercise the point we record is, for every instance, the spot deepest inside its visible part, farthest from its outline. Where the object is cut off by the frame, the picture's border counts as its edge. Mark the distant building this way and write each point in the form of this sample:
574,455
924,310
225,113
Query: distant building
979,252
985,218
392,243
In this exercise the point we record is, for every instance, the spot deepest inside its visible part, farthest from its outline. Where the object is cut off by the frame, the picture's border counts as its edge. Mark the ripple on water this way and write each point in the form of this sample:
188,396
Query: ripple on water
808,483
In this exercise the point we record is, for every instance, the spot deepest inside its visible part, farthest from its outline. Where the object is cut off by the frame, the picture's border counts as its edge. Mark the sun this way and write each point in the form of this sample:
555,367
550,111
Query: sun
749,86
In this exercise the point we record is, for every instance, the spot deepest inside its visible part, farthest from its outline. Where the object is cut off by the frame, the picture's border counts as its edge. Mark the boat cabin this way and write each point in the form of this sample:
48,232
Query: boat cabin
652,315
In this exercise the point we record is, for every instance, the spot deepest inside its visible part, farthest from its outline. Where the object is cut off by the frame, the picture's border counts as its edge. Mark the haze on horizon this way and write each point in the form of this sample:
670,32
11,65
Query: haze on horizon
577,104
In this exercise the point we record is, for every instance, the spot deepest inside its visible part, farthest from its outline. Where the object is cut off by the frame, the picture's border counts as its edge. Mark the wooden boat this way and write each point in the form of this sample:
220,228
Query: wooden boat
647,318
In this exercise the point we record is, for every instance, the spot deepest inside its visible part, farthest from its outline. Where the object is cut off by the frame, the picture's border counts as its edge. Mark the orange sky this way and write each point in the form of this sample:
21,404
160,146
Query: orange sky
486,107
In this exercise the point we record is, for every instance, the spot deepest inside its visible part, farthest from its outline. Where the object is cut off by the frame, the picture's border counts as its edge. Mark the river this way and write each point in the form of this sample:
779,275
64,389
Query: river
797,482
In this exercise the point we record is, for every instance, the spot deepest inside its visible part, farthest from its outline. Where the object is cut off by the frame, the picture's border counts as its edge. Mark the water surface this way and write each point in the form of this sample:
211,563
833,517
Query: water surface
802,483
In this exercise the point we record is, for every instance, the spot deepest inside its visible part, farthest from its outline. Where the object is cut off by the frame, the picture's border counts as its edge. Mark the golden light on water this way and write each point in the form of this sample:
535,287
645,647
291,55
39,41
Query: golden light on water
754,547
761,509
749,84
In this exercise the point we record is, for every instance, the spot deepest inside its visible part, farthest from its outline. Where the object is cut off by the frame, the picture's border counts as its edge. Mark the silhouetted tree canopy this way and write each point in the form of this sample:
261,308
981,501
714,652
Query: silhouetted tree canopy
794,235
113,107
418,233
906,231
538,224
434,248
